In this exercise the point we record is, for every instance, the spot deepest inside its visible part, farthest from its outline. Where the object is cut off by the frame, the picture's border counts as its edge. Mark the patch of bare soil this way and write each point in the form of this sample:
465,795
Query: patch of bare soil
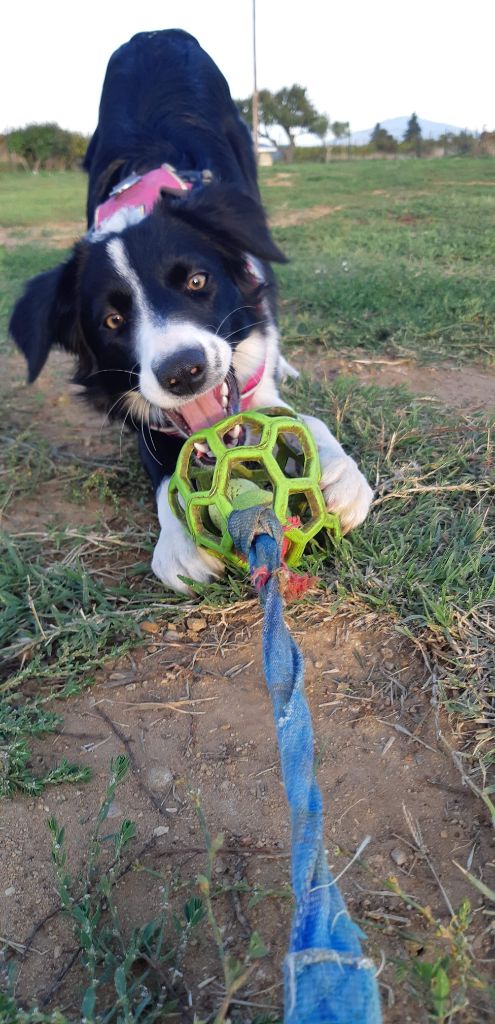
291,218
192,712
55,236
466,388
281,180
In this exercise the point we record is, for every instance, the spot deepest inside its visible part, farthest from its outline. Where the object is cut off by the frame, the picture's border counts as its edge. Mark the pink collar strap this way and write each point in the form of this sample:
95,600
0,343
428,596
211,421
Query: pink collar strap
250,387
140,191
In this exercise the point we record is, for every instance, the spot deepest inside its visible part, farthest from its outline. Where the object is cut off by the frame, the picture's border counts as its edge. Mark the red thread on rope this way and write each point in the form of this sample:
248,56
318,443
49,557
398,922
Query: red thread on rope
292,584
260,576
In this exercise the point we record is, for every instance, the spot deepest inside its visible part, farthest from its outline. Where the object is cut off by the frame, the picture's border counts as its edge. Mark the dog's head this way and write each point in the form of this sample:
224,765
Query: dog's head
166,316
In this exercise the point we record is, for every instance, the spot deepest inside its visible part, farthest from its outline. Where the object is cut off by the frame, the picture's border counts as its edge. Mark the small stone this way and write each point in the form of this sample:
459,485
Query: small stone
159,777
150,627
196,624
57,952
319,664
160,830
10,891
114,810
444,834
398,856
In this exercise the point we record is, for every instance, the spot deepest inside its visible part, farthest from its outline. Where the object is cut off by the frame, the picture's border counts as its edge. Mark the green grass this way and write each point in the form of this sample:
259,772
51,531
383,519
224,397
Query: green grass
44,198
16,267
405,264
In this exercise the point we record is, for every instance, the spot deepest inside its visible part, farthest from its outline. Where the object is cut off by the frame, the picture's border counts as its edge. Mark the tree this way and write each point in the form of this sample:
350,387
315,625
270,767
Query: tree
413,134
77,147
290,109
466,143
382,140
340,129
461,144
245,108
321,127
36,144
447,140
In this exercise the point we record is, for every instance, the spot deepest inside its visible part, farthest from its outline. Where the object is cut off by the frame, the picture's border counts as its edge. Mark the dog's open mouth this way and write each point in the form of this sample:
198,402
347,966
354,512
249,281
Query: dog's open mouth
206,410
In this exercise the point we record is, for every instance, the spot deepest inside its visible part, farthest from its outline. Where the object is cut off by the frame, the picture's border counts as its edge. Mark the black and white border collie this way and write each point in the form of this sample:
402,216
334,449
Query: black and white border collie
168,302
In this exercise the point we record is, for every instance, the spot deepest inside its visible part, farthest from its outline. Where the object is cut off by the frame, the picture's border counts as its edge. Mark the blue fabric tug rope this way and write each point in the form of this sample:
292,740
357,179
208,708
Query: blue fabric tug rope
327,980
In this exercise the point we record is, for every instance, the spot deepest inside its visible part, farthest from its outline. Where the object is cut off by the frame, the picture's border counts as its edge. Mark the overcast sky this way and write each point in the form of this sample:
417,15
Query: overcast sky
361,61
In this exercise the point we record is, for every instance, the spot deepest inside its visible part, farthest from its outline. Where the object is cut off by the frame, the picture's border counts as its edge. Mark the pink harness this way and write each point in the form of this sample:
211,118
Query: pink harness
142,191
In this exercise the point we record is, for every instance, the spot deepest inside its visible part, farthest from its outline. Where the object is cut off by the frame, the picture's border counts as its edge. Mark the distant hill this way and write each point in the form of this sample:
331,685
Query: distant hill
397,126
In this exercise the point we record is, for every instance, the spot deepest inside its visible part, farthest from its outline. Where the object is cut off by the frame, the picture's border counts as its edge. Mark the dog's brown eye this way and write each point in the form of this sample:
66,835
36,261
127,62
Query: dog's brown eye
114,321
196,282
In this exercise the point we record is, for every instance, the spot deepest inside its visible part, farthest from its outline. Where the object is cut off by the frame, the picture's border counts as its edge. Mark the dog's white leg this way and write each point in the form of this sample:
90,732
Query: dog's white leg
285,370
344,487
176,554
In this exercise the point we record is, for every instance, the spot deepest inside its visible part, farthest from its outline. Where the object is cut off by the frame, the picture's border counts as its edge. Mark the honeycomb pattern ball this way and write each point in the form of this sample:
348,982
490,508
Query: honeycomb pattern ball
251,458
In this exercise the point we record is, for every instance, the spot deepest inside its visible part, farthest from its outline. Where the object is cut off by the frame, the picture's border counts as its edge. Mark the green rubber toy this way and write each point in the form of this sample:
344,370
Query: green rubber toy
274,462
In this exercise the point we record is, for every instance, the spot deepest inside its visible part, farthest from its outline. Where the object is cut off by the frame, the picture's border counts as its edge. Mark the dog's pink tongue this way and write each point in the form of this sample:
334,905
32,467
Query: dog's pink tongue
205,411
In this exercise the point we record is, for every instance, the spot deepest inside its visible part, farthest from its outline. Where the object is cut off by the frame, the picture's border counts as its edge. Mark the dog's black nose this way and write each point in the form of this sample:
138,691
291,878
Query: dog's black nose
182,373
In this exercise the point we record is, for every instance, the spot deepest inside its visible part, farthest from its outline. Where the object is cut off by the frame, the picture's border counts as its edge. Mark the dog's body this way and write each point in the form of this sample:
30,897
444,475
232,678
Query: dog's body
169,304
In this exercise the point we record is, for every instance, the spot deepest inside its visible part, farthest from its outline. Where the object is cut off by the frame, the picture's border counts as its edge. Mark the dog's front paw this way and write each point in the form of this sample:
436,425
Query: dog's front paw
346,491
176,554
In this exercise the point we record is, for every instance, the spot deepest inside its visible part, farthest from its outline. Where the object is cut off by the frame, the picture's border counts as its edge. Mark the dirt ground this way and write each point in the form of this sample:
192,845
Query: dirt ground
467,388
57,236
192,712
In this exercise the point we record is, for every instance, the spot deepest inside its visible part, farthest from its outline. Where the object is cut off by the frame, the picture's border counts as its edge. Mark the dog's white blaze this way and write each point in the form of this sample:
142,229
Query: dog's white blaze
119,258
156,337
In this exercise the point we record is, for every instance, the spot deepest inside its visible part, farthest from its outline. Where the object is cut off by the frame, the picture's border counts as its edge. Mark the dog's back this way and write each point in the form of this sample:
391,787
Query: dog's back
165,101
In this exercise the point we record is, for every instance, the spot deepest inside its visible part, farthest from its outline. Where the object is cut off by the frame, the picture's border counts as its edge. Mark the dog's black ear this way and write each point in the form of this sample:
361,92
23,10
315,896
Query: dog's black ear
45,315
236,221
